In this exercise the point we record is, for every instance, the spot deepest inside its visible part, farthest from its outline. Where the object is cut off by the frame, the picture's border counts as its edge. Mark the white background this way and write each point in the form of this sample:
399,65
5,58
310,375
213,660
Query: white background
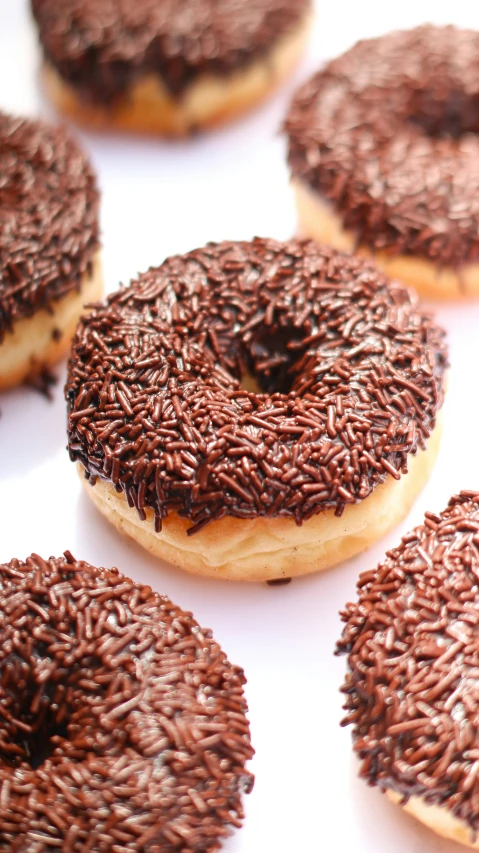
160,198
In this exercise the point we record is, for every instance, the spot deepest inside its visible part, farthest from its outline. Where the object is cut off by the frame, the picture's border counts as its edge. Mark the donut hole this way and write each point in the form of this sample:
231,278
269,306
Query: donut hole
47,685
271,359
449,116
41,745
34,710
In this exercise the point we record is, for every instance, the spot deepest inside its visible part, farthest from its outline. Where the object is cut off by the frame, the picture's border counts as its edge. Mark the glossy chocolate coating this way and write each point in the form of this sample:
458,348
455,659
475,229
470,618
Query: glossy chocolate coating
122,724
412,641
351,372
101,47
387,133
48,217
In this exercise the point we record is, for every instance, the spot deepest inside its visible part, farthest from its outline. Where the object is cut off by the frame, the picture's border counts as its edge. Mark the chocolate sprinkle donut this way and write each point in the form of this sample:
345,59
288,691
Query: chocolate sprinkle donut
102,46
412,641
350,370
122,724
388,133
48,217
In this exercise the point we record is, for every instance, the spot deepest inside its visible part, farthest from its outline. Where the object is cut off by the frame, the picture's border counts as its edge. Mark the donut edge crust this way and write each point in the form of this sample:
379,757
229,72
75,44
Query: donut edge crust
265,549
437,818
317,219
34,345
211,100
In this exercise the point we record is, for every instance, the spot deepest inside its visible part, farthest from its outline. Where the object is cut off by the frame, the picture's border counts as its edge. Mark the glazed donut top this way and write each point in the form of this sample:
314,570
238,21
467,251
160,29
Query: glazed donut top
122,724
102,46
48,217
413,645
386,132
351,373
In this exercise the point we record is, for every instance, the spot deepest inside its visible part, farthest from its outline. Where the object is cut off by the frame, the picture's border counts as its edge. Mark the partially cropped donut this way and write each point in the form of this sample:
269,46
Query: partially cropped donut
412,640
384,156
122,724
49,245
255,411
167,66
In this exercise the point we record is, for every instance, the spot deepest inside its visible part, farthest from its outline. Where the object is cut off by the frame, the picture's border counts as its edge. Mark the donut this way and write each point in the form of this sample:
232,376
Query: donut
256,410
166,66
123,725
412,640
384,156
49,245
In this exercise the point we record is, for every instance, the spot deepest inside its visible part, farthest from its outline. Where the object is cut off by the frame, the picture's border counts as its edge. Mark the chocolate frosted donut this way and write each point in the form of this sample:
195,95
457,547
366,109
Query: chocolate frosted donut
122,725
412,641
384,156
227,481
49,244
167,65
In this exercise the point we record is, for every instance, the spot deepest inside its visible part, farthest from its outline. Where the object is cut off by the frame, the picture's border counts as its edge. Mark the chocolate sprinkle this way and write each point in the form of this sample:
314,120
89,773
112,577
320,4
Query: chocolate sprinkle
101,47
388,133
122,724
42,379
48,217
351,373
412,641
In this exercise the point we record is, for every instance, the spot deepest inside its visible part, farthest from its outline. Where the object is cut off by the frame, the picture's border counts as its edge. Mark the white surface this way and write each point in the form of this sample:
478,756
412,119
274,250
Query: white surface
160,198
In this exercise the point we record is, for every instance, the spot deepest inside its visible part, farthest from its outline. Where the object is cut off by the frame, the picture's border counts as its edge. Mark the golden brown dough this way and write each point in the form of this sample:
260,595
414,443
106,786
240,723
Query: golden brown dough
148,107
40,341
265,549
437,818
317,219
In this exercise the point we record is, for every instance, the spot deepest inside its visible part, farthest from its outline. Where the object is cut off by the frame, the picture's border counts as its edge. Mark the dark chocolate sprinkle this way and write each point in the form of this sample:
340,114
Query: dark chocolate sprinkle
351,371
48,217
101,47
42,379
412,641
122,724
388,133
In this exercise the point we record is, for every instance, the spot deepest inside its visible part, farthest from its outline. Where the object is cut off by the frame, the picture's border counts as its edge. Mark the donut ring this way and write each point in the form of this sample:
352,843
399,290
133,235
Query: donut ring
384,156
229,482
412,641
123,725
163,66
49,246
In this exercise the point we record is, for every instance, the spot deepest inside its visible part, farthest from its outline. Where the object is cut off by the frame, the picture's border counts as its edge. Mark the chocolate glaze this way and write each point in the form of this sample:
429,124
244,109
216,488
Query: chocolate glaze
123,725
48,217
351,369
101,47
387,133
412,641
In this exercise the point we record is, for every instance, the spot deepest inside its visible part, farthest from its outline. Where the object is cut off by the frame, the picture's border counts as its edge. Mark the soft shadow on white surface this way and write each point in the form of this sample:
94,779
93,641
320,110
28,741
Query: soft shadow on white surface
35,427
386,826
